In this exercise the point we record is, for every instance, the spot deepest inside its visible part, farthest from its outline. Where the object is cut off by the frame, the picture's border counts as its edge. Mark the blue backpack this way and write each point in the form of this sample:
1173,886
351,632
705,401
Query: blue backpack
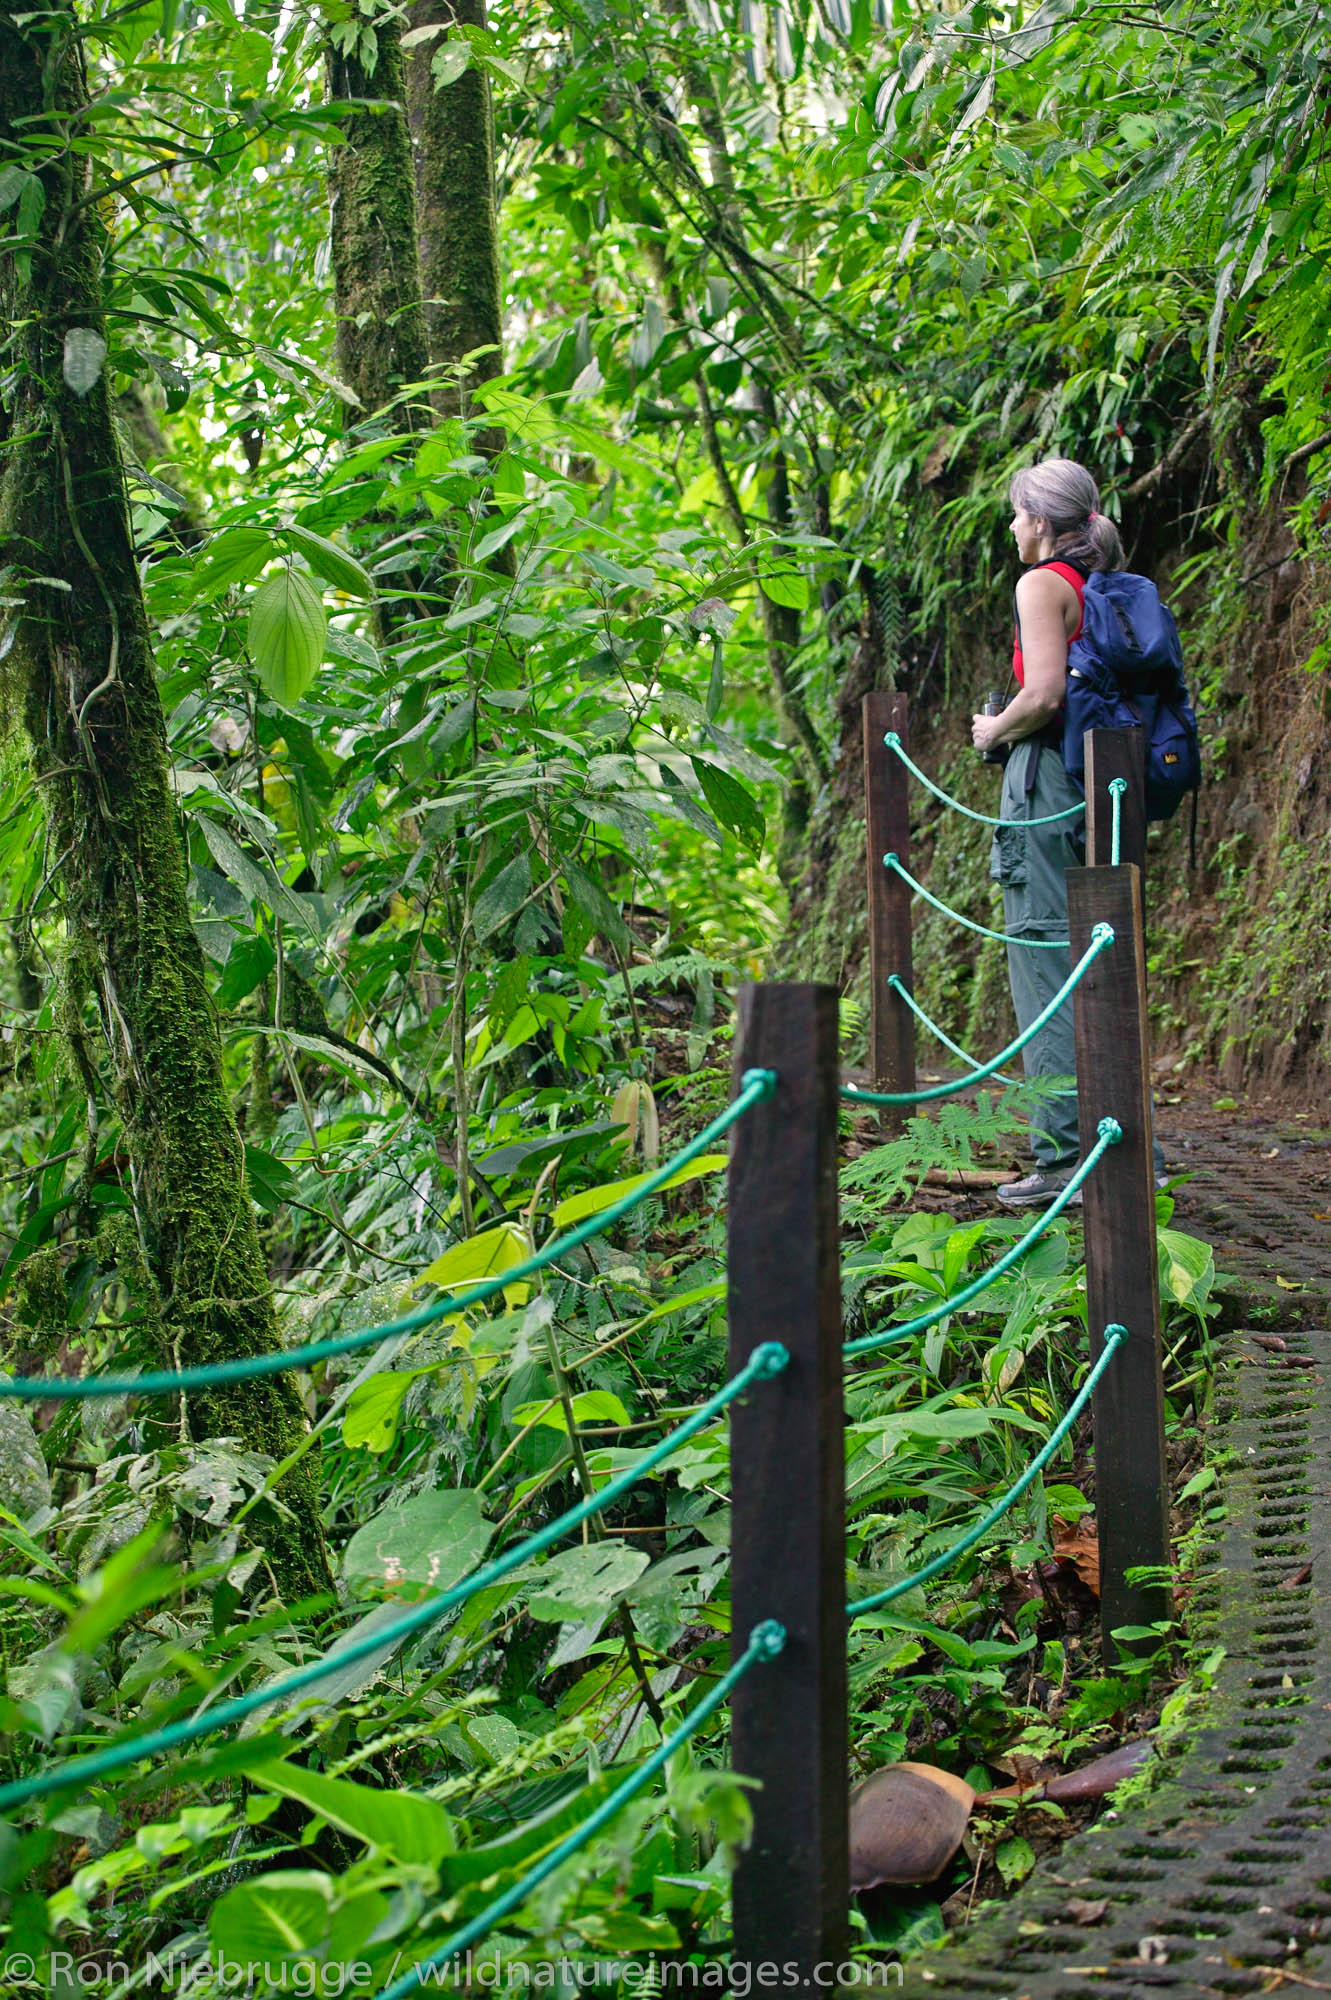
1125,671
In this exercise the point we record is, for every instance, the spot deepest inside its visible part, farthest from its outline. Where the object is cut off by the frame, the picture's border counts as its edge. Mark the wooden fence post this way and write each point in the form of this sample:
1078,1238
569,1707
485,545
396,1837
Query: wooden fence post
787,1437
887,831
1115,753
1122,1282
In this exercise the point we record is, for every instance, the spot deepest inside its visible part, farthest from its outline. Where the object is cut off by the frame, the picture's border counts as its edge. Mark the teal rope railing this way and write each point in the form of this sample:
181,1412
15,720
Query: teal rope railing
899,986
755,1086
767,1360
766,1641
1114,1337
981,930
1117,787
893,742
1110,1132
1101,938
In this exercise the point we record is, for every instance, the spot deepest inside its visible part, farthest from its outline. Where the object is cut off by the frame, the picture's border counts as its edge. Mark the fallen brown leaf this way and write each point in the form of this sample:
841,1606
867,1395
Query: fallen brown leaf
1083,1910
1081,1547
1296,1577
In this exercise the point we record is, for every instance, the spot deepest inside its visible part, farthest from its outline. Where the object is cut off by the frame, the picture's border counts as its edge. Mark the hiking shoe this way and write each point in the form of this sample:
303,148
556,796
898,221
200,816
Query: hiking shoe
1038,1190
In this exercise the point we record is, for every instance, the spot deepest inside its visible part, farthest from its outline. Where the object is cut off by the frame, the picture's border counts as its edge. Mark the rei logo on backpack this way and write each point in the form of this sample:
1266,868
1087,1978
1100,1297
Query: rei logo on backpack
1125,671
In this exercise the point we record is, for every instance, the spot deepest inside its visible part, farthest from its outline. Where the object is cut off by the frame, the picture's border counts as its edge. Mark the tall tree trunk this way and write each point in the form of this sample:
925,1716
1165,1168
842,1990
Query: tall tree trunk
376,272
452,130
81,673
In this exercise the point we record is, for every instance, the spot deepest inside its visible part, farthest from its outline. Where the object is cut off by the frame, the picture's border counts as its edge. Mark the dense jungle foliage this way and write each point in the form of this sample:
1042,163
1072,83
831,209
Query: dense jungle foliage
457,478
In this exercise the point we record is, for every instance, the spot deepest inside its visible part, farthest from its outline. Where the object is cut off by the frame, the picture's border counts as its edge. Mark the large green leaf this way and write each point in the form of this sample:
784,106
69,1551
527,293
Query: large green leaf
249,963
288,627
592,900
1187,1267
428,1543
732,803
592,1200
521,1846
292,1914
500,899
271,1180
592,1406
581,1582
402,1824
478,1257
330,562
788,587
235,556
372,1410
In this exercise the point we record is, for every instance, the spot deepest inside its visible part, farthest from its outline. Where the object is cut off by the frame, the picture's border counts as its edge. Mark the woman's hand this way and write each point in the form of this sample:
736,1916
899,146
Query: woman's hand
986,730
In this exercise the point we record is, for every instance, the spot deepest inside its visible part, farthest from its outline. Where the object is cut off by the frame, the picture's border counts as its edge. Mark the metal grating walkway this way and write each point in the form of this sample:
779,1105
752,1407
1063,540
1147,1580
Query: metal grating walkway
1220,1881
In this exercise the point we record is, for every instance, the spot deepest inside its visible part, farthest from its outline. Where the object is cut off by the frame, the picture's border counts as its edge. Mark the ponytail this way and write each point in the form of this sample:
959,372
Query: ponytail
1063,493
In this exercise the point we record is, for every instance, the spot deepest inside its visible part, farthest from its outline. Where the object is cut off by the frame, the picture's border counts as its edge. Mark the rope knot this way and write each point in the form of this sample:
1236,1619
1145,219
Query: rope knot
768,1639
769,1359
1114,1333
892,740
766,1077
1110,1129
1117,787
1103,934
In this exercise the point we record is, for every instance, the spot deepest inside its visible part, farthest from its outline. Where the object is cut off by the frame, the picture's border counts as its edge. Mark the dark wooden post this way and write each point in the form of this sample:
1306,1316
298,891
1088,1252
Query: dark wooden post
1122,1284
1115,753
887,831
788,1535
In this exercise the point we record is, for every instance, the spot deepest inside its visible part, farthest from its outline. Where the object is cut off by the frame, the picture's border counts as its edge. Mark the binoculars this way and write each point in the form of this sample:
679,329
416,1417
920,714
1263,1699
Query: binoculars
993,704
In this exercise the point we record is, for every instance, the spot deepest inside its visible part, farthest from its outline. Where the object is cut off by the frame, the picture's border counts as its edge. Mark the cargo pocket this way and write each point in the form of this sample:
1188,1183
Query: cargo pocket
1008,859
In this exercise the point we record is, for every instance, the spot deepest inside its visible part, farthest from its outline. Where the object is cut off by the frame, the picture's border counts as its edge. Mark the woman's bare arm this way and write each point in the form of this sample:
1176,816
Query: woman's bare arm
1048,609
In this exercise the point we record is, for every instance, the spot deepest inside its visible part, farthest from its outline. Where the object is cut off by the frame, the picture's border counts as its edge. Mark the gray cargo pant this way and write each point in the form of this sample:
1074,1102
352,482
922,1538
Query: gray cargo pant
1030,862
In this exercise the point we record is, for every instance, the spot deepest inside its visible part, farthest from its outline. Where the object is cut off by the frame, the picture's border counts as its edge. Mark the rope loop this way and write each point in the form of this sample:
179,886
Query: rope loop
1110,1133
1101,938
1115,1335
765,1642
894,743
893,862
770,1358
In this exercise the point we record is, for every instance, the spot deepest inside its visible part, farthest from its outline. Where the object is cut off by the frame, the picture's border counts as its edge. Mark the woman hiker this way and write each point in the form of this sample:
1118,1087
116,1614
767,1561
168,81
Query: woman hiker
1061,537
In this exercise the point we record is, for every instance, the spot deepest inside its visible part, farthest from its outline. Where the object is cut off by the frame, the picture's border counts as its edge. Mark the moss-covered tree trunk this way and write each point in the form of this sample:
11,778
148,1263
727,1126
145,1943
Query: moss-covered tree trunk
452,131
81,682
376,274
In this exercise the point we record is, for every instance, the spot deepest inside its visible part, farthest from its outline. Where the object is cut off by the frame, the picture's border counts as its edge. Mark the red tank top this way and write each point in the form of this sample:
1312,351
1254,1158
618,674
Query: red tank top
1078,582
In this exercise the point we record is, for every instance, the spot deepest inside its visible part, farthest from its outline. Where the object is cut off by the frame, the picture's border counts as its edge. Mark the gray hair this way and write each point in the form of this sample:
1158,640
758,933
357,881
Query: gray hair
1063,493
